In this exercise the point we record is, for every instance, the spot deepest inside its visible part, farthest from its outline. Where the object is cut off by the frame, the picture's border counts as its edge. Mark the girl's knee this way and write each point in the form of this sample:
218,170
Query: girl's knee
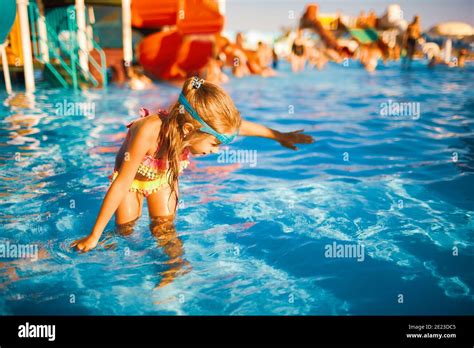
162,218
162,224
125,228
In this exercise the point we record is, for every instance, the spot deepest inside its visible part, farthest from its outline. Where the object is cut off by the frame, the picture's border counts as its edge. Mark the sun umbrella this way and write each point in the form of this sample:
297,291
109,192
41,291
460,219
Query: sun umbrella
452,29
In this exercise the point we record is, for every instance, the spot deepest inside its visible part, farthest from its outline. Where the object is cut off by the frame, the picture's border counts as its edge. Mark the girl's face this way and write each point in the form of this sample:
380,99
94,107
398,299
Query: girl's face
203,145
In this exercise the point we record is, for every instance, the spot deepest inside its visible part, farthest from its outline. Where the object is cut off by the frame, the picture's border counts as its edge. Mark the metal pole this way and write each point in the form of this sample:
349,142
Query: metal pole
26,45
221,4
43,36
90,23
81,34
127,31
6,71
448,47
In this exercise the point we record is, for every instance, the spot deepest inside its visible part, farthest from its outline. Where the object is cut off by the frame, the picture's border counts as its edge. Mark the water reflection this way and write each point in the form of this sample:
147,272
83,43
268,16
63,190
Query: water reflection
20,100
164,230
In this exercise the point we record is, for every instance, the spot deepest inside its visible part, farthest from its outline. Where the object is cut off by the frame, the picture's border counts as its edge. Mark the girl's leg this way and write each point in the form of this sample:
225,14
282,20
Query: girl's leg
129,210
161,208
161,204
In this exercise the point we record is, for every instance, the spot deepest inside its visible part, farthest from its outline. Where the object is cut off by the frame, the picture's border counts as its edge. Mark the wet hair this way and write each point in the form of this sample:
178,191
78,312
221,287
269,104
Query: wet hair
213,105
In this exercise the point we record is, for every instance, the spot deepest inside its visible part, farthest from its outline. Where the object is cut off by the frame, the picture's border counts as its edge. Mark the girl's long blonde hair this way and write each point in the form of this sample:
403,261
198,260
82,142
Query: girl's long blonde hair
213,105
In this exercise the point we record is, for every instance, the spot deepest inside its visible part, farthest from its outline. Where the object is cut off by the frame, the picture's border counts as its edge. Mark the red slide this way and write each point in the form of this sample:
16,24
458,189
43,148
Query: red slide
169,53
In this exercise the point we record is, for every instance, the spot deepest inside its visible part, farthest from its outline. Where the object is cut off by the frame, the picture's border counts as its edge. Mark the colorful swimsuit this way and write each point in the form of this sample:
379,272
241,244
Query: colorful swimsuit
152,172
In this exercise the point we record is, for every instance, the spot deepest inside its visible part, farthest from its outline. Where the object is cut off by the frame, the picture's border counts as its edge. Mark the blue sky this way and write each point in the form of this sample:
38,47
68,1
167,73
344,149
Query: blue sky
269,15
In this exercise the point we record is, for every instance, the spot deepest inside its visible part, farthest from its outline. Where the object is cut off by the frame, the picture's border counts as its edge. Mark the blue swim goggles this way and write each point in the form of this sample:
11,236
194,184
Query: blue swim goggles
223,138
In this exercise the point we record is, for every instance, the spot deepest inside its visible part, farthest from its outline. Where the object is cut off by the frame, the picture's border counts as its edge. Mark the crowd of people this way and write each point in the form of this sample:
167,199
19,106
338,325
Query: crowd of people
314,51
328,48
242,61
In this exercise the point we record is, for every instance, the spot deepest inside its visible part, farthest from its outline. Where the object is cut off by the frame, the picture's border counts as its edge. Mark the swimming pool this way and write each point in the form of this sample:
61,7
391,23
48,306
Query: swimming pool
256,235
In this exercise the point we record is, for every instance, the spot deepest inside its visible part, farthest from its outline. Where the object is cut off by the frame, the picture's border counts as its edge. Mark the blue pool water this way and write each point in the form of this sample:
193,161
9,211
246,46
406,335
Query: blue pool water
254,238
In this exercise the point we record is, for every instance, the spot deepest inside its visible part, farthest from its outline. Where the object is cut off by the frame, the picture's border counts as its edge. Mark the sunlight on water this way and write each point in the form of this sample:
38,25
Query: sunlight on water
252,239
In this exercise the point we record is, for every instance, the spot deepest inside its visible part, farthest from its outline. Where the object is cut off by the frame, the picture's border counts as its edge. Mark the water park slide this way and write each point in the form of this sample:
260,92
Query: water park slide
168,52
364,36
6,24
8,17
310,20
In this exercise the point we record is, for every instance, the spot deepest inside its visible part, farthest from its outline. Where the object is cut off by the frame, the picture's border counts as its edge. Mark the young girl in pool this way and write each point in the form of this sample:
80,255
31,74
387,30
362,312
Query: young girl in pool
157,149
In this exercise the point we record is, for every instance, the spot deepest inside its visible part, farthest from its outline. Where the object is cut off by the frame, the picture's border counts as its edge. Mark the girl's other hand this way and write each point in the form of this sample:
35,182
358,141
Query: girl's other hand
85,244
296,137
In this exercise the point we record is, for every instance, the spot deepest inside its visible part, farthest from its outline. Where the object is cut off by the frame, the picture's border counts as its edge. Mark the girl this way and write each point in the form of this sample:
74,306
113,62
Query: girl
157,149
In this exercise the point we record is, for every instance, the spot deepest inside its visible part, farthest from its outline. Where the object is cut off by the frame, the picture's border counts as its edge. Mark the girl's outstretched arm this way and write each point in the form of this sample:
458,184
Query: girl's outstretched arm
139,144
288,140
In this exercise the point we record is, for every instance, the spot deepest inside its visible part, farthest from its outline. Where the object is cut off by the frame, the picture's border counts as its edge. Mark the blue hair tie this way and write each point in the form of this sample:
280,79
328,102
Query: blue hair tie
223,138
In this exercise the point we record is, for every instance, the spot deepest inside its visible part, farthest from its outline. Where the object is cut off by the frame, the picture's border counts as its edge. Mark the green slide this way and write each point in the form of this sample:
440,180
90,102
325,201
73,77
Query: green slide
364,36
8,17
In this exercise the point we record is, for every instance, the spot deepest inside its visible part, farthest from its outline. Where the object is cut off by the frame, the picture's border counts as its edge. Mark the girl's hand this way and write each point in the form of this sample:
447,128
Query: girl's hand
296,137
288,140
85,244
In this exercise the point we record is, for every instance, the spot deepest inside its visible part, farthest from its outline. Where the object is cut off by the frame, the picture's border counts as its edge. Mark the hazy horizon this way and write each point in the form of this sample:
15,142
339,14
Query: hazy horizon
271,15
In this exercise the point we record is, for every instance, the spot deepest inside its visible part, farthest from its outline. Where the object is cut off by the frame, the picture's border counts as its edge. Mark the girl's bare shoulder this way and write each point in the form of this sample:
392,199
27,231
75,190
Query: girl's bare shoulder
150,125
